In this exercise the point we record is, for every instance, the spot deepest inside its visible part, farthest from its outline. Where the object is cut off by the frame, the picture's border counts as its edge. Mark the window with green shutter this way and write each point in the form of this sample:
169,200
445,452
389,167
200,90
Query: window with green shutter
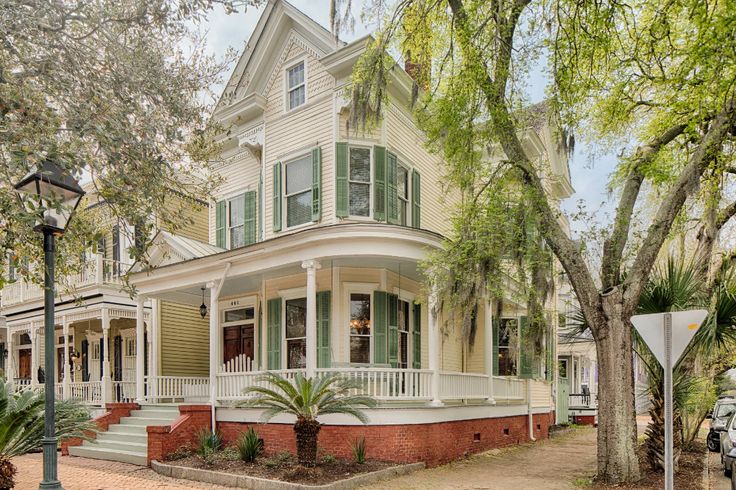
323,329
220,224
380,327
417,338
276,197
393,330
341,180
250,221
392,195
379,183
526,350
273,340
416,200
316,184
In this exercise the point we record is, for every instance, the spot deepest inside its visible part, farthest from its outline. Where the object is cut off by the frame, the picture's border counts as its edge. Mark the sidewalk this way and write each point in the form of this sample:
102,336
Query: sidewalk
549,465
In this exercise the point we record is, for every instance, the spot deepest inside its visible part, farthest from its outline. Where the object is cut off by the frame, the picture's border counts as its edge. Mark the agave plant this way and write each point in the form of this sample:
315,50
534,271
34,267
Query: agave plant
307,399
22,425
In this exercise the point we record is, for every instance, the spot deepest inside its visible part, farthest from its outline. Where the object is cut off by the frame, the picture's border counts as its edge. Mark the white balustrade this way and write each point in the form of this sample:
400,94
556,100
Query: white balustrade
463,386
87,391
21,384
178,388
123,391
511,390
388,383
230,385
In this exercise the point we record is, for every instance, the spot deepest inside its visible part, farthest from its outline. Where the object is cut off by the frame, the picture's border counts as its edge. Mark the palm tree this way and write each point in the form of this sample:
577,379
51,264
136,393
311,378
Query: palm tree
22,425
307,399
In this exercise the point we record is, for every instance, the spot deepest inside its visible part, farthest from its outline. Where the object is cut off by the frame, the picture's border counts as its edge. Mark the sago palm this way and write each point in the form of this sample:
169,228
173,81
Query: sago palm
307,399
22,425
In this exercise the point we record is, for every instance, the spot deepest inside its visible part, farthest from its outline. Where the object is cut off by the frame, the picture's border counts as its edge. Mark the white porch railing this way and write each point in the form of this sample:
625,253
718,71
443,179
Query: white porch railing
509,389
178,388
463,386
230,385
123,391
21,384
88,391
94,272
388,384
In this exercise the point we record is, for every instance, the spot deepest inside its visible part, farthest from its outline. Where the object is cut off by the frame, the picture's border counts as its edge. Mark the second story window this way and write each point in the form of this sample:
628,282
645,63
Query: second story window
402,189
236,221
295,86
360,181
298,191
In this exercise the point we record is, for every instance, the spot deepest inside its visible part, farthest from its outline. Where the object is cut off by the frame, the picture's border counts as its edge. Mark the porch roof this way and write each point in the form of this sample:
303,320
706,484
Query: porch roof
346,245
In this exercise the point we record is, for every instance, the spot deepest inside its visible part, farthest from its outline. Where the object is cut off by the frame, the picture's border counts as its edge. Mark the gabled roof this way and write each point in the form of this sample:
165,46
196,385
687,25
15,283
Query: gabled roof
253,73
168,248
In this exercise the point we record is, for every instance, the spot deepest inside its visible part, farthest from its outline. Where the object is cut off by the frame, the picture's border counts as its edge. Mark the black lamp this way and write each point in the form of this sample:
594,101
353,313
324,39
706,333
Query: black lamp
203,307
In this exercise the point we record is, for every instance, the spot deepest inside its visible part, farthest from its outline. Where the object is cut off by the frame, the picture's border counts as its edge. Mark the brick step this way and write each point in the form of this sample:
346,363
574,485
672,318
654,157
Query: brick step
137,458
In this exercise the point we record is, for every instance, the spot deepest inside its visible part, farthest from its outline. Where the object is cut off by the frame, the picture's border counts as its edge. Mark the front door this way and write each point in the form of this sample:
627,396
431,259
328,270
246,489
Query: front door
24,363
563,393
238,341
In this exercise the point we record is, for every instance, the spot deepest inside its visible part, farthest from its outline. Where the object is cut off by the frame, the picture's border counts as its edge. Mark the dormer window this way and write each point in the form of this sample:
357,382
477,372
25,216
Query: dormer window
296,86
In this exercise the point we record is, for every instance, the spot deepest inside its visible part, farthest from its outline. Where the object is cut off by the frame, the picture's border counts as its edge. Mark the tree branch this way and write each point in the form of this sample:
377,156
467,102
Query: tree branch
613,247
494,90
674,200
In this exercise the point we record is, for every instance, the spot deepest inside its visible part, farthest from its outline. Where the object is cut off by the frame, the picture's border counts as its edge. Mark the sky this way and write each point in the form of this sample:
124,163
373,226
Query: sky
589,174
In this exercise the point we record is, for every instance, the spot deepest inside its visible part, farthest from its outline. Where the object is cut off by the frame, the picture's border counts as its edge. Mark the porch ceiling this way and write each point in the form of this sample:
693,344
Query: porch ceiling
237,285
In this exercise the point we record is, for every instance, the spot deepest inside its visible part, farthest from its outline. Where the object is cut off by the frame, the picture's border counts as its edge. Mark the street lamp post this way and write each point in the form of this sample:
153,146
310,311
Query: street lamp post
52,195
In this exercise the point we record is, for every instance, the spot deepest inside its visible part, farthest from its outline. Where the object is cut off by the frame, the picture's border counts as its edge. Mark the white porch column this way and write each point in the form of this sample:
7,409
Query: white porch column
10,360
153,335
488,346
434,350
65,360
34,355
311,266
214,312
106,373
140,350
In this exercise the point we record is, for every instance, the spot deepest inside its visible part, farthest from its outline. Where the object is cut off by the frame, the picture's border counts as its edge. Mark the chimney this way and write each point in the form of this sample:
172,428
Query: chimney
416,71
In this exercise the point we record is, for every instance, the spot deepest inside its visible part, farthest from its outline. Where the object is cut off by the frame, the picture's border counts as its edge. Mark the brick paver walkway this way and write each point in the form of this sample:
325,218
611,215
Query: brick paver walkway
91,474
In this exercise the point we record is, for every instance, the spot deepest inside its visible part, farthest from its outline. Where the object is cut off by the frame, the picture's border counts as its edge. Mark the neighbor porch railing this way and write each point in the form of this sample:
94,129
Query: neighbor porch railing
94,272
581,400
176,389
123,391
89,392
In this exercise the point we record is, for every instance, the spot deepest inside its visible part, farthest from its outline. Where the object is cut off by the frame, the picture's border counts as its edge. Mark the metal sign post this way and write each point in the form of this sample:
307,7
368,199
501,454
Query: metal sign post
667,335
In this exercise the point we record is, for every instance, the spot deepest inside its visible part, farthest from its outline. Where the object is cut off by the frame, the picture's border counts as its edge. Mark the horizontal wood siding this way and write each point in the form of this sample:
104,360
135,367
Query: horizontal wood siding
185,341
541,394
287,134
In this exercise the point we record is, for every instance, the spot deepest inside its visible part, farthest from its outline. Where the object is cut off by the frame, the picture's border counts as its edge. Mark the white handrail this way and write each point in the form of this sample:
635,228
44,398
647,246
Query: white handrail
463,386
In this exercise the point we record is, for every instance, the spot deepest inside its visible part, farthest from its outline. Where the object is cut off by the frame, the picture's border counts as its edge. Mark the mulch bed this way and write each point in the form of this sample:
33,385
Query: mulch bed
688,477
279,467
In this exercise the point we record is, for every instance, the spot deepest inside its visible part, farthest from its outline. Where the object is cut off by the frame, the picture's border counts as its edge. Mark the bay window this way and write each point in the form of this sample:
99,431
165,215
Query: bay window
403,361
360,328
360,181
402,189
298,191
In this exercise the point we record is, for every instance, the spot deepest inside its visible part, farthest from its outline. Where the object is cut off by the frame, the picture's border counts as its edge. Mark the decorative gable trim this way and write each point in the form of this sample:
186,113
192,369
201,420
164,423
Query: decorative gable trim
277,72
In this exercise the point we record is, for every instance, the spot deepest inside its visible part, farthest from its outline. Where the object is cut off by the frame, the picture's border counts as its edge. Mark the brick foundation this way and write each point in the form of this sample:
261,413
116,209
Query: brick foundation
434,443
114,412
584,419
165,439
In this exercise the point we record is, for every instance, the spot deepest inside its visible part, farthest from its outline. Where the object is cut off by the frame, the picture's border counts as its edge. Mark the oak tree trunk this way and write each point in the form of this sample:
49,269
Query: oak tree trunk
617,446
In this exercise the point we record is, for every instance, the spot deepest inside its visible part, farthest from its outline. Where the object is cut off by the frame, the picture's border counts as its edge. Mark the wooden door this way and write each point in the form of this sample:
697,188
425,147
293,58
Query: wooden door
232,343
24,363
246,341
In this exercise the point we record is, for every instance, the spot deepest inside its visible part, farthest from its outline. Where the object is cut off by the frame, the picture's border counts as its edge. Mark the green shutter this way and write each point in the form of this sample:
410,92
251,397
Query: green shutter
250,217
392,195
258,353
417,338
379,183
380,326
495,332
274,334
259,206
323,329
220,224
316,184
526,350
416,200
277,197
341,182
549,373
393,330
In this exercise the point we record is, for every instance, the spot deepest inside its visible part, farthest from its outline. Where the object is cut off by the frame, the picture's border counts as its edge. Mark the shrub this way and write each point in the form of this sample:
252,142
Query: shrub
249,445
209,442
358,448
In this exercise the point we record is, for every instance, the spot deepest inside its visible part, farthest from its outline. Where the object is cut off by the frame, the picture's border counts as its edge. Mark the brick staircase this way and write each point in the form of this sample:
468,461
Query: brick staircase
127,441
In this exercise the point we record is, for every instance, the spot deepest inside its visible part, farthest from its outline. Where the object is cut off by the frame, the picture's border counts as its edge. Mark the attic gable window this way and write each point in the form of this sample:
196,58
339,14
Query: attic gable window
296,86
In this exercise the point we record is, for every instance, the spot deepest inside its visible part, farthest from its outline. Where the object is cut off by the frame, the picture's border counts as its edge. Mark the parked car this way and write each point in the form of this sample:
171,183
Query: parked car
722,410
728,445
